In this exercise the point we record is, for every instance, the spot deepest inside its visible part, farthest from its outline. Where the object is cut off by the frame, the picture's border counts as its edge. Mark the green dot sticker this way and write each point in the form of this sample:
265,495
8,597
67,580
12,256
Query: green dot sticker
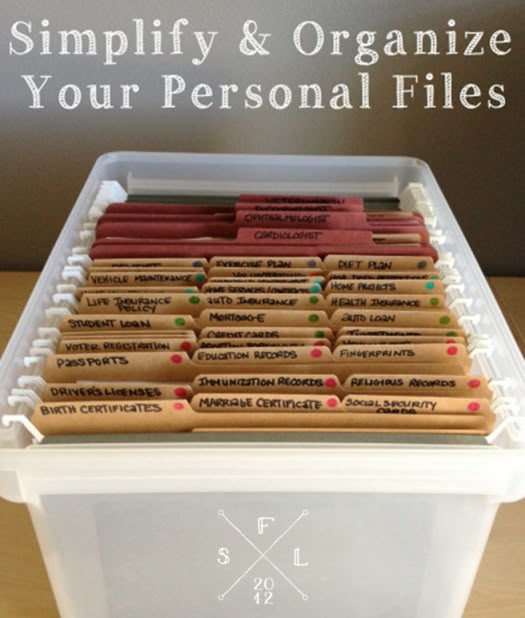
179,322
444,319
315,288
200,277
451,333
430,285
189,291
433,277
434,302
319,333
194,300
314,300
313,317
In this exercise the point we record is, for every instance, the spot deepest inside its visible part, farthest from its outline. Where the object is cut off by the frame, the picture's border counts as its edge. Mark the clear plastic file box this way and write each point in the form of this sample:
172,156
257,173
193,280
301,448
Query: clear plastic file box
267,525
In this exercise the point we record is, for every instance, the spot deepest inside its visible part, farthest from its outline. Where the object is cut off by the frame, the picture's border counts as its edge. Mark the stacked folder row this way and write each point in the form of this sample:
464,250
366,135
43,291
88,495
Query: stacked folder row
213,318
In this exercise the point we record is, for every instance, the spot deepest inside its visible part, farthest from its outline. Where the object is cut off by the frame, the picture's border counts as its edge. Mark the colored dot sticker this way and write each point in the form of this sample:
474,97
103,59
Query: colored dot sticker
315,288
313,317
434,302
317,353
200,277
186,346
178,406
473,406
422,264
330,382
319,333
430,285
179,321
331,403
444,319
474,383
452,350
450,341
312,263
451,333
197,264
319,343
189,291
433,277
194,300
180,392
176,358
314,300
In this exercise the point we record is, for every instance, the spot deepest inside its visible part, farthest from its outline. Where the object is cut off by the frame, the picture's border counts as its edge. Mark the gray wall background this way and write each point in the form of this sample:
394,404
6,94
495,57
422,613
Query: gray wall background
476,155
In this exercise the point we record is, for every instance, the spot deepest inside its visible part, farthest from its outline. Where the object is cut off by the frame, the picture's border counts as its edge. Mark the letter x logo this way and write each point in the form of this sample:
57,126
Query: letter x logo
263,555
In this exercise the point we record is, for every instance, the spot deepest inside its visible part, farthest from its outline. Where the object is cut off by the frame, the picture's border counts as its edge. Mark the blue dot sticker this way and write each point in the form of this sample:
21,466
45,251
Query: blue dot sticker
312,264
430,285
422,264
197,264
315,289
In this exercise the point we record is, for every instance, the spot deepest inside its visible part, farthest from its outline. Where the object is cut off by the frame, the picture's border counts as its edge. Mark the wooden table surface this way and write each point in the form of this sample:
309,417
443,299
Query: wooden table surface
499,590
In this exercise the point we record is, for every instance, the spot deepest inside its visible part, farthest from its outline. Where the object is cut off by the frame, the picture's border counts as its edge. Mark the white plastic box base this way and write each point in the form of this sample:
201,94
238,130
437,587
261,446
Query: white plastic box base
213,530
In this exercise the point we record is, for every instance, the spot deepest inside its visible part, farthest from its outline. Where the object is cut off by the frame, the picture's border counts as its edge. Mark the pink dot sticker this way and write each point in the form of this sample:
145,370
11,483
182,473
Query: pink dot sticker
474,383
176,358
330,383
180,392
473,406
178,406
186,346
452,350
316,353
331,403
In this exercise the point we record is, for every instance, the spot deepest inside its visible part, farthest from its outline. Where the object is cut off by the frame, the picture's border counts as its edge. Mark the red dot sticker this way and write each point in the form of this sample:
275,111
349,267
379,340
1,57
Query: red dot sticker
330,382
474,383
473,406
450,341
186,346
180,392
331,403
316,353
319,343
176,358
452,350
178,406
